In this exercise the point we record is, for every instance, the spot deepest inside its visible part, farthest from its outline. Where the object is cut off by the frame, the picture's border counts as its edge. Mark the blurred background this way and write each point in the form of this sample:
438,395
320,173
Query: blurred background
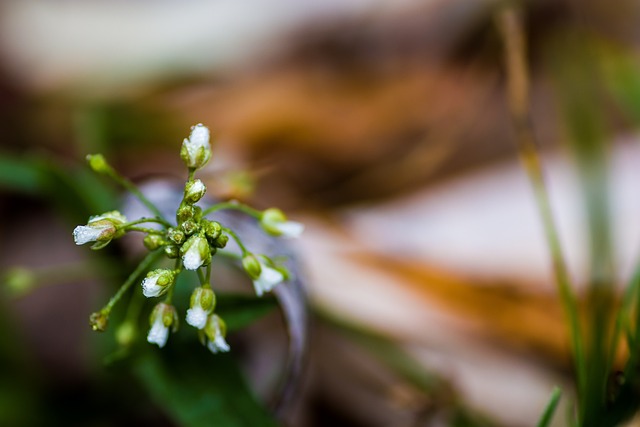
384,127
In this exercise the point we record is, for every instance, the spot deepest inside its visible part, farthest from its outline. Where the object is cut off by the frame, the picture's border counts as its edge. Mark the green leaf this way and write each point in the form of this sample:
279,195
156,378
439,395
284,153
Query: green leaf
550,409
17,174
197,388
239,311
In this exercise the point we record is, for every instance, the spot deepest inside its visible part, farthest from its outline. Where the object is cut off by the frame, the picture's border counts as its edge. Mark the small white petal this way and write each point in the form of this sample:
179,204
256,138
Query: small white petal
290,229
84,234
197,187
192,259
218,344
158,334
197,317
150,287
199,136
268,279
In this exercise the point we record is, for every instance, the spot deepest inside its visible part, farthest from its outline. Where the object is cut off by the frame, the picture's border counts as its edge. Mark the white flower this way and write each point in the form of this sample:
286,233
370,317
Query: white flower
202,304
196,150
274,222
159,333
157,282
197,317
91,233
162,318
215,331
268,278
195,252
100,229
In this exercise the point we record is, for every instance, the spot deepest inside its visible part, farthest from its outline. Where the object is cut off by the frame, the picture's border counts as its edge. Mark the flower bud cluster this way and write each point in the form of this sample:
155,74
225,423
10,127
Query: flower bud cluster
191,240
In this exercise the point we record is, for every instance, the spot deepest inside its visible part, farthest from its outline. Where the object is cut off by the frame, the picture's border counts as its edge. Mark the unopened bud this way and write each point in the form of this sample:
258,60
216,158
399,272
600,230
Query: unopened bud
196,150
274,222
98,163
195,252
99,321
153,241
175,235
194,191
252,266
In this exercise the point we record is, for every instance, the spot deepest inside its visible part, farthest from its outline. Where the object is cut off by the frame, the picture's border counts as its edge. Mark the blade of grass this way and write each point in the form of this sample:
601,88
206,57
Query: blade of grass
550,409
509,23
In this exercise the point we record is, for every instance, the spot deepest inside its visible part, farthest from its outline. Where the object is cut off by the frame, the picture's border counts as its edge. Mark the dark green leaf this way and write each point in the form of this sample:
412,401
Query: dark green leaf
197,388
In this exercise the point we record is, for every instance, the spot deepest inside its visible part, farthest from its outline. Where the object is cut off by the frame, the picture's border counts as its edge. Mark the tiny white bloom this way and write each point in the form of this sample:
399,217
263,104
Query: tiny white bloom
215,332
289,229
162,318
157,282
100,229
196,149
196,252
219,344
86,233
203,301
275,222
267,280
197,317
159,333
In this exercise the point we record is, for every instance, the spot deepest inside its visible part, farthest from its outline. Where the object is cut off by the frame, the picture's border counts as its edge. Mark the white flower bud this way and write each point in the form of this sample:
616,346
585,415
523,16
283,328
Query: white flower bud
274,222
202,304
157,282
162,318
196,150
100,229
215,331
267,279
194,191
195,252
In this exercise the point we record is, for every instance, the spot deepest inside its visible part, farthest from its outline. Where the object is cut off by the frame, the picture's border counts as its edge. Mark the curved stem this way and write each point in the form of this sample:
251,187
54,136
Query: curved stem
131,187
145,220
510,26
203,280
235,237
233,205
144,265
145,230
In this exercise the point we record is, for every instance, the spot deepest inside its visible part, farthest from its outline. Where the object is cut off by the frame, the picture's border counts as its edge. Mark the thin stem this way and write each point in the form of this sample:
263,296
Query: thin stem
144,220
235,237
144,265
228,254
510,25
131,187
233,205
145,230
209,274
169,296
203,280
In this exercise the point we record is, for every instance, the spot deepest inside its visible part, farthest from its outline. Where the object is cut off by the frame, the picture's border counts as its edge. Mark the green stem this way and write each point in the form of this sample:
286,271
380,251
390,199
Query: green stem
144,220
144,265
209,274
145,230
235,237
510,25
233,205
203,280
131,187
229,255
